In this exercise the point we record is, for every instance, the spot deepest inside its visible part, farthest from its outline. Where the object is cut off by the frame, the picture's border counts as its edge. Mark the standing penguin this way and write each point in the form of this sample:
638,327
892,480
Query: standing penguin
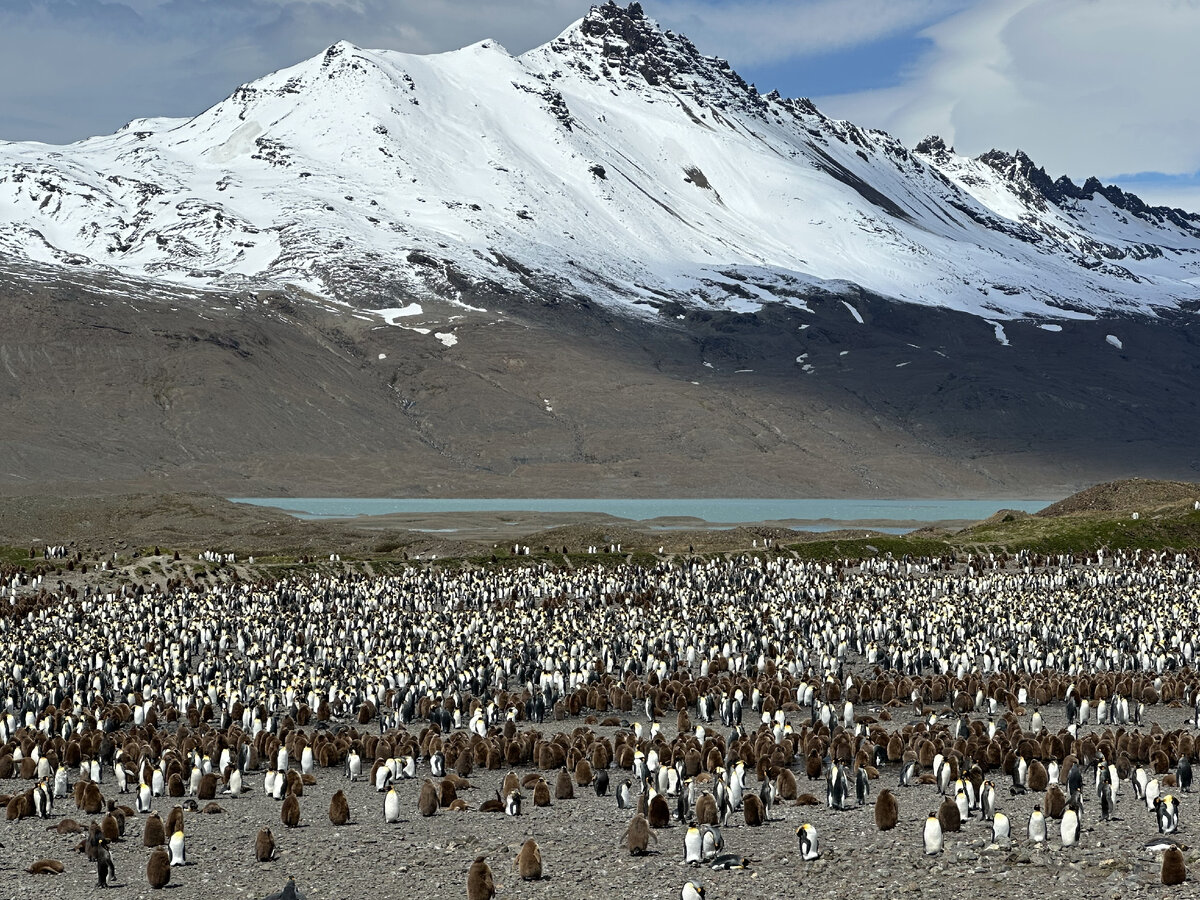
391,807
153,833
752,809
529,861
1070,828
1166,811
693,846
987,801
1174,869
480,885
158,869
932,835
1037,826
1106,799
177,849
810,845
1000,828
427,801
600,783
887,810
264,845
1183,774
861,785
105,870
564,787
637,836
289,813
624,794
339,809
512,804
949,816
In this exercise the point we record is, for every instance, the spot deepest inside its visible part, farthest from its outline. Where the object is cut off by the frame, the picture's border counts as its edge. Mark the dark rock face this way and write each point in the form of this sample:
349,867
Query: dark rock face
288,398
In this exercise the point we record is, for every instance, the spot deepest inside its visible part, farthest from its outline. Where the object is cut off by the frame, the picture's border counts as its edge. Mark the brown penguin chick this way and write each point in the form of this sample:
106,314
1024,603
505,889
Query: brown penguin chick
949,817
427,802
785,785
529,861
1174,870
480,885
1055,802
175,820
807,799
1037,778
459,805
706,809
213,808
511,783
339,809
264,845
887,811
541,793
637,836
153,834
158,869
753,810
659,812
93,800
45,867
289,814
119,815
110,829
583,773
813,766
207,789
564,788
67,826
447,793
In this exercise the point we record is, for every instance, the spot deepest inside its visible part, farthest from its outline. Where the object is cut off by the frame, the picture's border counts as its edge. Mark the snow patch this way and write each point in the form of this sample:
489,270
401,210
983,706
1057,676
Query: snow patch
1000,335
449,339
854,312
401,312
1050,327
383,356
1114,340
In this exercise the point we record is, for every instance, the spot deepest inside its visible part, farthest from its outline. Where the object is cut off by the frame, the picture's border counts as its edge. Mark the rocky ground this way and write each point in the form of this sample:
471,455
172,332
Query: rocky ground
580,842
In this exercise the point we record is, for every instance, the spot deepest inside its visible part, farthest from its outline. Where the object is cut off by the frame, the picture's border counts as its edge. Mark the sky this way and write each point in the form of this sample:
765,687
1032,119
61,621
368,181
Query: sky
1085,87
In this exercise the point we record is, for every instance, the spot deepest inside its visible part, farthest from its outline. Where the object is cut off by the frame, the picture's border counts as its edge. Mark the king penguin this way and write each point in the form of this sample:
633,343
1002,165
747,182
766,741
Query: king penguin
932,835
391,807
1037,826
810,847
1000,829
178,850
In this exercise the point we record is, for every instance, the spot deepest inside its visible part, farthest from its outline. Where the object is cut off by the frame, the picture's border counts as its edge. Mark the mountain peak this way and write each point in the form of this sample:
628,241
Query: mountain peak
623,46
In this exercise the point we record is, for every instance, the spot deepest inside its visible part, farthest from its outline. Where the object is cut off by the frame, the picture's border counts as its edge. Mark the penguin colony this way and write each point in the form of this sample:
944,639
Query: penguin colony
712,691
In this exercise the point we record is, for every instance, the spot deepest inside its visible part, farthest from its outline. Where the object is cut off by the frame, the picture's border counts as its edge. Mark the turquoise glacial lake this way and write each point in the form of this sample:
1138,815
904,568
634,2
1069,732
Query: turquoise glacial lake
807,515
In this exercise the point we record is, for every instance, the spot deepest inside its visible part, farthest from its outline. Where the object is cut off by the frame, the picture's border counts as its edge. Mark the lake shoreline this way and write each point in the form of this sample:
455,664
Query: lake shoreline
509,518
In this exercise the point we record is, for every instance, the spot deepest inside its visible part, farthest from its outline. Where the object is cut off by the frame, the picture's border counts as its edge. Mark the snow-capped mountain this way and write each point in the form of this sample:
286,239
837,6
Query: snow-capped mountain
615,163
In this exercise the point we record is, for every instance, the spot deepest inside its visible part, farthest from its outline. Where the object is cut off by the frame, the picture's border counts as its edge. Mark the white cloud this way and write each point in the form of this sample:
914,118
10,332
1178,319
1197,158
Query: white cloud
766,31
1166,193
1084,86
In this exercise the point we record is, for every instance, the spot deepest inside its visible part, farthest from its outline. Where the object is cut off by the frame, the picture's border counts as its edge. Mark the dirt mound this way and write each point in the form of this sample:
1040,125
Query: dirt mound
1117,496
